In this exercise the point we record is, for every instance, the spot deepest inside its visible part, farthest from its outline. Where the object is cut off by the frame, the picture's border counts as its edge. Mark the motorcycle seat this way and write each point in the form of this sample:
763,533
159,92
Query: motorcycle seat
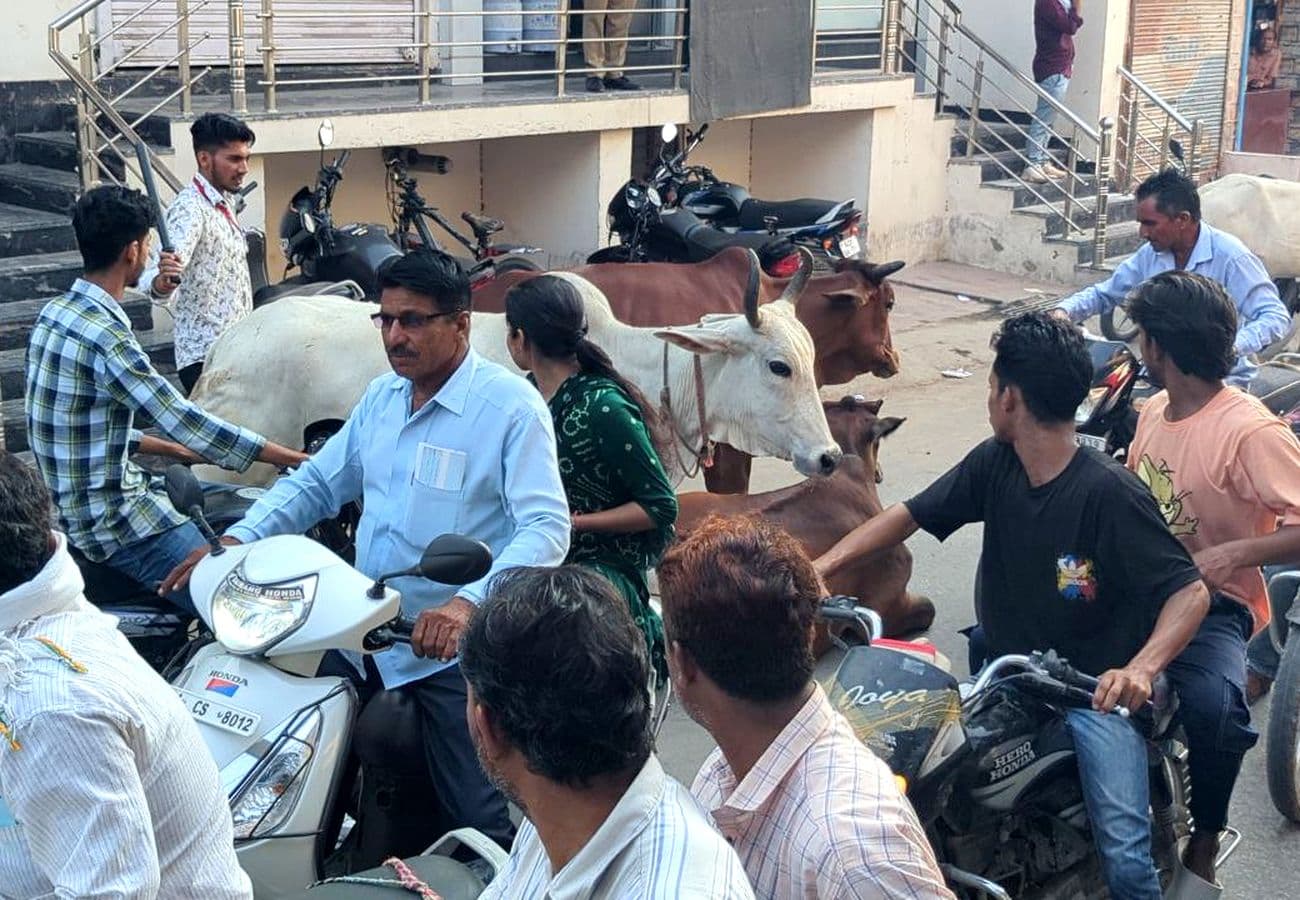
791,213
271,292
704,241
451,880
483,225
106,586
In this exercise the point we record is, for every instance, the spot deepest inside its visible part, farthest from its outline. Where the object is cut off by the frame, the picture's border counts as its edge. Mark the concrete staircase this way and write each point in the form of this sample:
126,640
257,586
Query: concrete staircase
996,223
39,261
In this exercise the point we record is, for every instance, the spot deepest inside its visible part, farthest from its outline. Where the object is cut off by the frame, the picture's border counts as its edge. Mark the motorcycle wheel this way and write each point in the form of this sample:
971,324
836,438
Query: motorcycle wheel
1284,732
1117,326
515,264
1289,290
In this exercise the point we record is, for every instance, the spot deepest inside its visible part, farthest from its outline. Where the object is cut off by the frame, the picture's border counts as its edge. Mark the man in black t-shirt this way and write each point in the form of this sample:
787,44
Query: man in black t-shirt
1076,558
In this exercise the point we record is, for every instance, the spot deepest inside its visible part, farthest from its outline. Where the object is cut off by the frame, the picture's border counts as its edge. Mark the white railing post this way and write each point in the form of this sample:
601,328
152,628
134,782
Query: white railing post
1102,174
238,89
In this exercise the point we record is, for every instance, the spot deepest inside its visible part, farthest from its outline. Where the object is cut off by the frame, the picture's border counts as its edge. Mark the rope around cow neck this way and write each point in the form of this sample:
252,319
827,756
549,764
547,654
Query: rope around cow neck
702,458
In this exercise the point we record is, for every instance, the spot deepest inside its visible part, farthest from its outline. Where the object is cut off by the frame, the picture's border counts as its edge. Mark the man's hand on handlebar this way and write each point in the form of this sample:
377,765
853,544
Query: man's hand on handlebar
281,456
179,577
1129,687
437,631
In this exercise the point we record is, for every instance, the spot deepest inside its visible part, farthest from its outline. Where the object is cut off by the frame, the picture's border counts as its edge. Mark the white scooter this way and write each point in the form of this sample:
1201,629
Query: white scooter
282,736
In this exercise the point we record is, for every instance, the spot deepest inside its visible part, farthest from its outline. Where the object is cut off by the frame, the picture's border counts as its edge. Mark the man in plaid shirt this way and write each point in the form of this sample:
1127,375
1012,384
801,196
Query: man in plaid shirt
88,377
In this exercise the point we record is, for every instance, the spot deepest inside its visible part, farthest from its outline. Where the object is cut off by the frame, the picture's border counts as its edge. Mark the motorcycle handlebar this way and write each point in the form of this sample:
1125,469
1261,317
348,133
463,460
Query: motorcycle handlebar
402,627
1073,686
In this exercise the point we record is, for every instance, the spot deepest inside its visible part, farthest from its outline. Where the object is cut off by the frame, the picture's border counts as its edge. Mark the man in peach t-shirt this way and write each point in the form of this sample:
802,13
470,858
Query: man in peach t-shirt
1226,474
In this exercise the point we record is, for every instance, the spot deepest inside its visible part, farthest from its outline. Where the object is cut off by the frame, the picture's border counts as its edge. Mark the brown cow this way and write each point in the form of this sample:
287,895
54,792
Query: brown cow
846,312
820,511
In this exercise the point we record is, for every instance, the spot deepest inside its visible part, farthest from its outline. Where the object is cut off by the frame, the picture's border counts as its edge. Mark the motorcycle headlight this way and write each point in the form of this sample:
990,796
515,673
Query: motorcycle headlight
267,799
248,618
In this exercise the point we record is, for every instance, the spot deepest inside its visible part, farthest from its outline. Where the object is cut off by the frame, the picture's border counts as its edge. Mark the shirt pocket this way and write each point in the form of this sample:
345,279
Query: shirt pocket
436,497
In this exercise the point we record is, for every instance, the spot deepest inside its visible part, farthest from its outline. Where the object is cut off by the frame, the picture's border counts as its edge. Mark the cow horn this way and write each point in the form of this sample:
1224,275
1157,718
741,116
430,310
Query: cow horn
794,288
882,271
751,289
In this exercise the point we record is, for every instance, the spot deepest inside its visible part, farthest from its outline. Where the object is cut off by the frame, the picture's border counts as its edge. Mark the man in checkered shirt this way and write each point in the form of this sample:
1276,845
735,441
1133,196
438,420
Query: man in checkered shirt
811,812
87,380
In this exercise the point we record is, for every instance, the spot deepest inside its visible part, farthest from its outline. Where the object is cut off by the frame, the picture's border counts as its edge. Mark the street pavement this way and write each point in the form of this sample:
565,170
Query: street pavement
936,331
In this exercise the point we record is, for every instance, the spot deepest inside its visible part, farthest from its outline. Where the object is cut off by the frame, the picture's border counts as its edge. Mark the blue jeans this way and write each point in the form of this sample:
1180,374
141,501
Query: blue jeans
151,560
1044,116
1113,772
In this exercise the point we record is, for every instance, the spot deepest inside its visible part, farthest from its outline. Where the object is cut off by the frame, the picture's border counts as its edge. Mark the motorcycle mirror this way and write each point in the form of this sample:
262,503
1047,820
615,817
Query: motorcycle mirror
308,223
455,559
668,133
182,488
325,134
449,559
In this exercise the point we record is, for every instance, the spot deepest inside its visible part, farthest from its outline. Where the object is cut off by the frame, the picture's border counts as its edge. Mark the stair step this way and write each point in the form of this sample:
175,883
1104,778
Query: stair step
38,187
1122,239
24,231
18,316
1119,208
155,128
1050,191
13,418
13,363
51,149
38,275
994,136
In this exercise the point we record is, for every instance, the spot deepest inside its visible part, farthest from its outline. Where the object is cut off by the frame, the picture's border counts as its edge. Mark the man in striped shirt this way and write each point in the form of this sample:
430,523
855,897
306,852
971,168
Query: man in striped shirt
559,712
809,809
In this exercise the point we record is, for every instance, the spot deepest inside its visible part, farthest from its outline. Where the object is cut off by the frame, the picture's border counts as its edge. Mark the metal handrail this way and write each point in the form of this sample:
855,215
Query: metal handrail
1155,98
91,97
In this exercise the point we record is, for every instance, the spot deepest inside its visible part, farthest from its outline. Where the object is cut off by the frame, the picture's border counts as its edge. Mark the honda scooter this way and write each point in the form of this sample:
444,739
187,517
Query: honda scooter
302,779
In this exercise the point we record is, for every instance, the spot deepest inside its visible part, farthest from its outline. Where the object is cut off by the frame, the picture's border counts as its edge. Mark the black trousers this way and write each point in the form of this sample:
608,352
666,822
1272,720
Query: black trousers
467,798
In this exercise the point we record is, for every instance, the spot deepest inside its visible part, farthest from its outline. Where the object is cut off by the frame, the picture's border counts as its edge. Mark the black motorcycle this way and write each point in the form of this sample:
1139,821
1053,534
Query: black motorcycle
990,768
829,229
648,232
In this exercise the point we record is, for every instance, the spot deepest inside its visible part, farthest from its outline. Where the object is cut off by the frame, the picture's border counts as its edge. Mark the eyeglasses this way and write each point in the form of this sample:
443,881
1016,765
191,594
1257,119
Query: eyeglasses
410,321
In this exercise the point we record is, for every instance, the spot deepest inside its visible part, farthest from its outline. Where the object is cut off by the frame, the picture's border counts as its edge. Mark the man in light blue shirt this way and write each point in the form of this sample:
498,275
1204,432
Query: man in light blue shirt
1169,213
448,442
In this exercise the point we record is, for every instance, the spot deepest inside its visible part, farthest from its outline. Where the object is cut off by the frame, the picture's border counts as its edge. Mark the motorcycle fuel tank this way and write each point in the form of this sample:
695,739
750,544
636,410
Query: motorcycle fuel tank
720,200
1019,745
357,252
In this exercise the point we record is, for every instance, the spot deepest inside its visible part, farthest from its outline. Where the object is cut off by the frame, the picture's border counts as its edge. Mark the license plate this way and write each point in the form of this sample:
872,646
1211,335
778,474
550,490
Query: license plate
1090,440
219,715
850,247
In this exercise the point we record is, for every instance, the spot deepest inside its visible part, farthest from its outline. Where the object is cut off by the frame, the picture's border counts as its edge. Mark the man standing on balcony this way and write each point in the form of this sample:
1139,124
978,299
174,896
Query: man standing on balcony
208,272
605,25
1055,24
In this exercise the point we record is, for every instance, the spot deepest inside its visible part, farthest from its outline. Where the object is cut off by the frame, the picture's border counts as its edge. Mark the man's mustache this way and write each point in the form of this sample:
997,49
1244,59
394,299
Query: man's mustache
402,353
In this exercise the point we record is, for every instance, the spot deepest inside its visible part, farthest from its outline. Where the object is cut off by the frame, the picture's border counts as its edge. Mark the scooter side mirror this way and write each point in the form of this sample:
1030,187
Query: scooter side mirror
182,488
455,559
668,133
325,134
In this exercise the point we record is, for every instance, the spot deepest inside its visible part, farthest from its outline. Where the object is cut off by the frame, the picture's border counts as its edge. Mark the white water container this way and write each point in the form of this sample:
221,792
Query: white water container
541,23
502,33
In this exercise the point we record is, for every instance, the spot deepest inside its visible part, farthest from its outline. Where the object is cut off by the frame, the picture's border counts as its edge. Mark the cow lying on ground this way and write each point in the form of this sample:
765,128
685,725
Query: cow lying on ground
846,313
1261,213
303,362
820,511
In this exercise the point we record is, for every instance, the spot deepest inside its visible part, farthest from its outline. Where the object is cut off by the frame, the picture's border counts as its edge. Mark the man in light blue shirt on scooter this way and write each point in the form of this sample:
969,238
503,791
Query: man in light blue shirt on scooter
446,442
1169,214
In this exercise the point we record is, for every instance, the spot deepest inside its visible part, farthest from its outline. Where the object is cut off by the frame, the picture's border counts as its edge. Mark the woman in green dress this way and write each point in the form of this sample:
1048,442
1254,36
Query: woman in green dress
620,500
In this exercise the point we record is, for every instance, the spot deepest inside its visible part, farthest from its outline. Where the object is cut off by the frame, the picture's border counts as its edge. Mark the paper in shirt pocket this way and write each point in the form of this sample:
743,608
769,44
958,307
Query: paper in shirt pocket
437,480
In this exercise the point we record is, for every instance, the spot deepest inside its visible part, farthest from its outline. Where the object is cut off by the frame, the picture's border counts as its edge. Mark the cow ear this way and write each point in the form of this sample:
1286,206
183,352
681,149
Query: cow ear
883,428
697,340
844,299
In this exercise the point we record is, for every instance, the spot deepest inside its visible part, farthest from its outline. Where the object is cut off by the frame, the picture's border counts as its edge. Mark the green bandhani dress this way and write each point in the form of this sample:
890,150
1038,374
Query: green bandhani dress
607,459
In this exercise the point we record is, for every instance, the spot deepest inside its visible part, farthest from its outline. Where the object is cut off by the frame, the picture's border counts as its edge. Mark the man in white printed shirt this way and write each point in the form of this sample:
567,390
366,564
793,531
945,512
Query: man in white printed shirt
559,711
210,258
106,788
811,812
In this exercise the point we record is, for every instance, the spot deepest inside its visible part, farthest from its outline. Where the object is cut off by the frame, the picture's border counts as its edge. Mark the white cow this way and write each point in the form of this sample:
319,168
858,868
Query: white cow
1262,214
304,360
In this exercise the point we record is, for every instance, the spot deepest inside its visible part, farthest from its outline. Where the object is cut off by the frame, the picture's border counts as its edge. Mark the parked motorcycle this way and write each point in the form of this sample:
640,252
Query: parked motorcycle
301,759
989,767
830,229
